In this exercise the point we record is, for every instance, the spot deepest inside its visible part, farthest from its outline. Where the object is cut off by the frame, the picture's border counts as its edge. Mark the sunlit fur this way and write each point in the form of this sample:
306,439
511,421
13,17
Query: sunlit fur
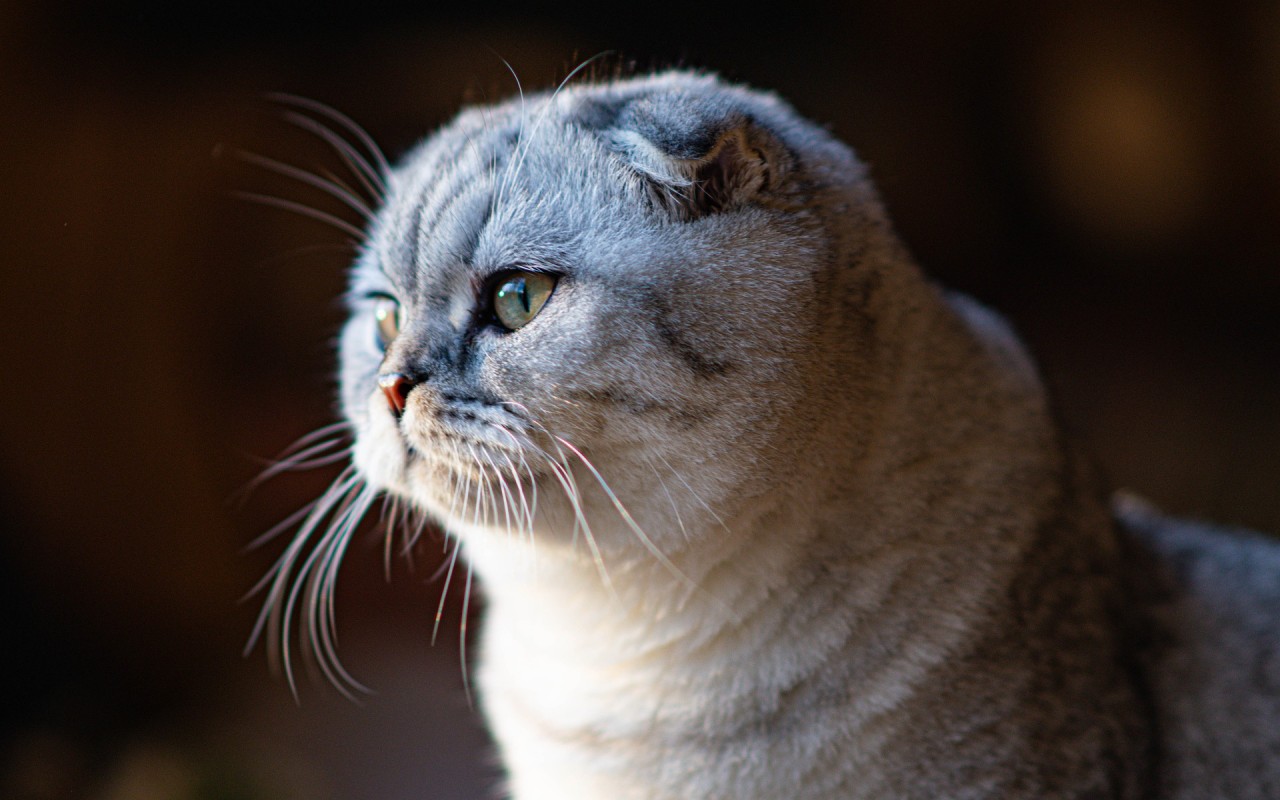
759,511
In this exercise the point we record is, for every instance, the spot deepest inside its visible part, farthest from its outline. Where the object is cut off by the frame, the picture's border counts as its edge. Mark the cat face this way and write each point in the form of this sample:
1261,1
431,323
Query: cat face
594,311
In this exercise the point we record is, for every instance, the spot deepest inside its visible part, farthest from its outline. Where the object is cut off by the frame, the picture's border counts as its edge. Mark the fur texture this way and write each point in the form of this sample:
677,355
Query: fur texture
759,511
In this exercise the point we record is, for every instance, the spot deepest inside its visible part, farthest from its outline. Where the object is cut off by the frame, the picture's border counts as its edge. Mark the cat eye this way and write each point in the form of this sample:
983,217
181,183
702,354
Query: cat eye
387,318
519,296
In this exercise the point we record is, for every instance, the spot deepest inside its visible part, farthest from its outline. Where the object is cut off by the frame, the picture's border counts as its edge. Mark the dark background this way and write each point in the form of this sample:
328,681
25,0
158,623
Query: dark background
1107,175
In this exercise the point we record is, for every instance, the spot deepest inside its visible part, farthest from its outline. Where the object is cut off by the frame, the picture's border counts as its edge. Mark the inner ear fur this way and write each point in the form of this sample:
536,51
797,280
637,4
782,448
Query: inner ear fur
737,168
708,172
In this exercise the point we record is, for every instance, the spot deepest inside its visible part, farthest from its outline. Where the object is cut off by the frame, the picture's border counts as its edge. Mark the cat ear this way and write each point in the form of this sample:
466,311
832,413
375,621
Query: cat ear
736,169
695,168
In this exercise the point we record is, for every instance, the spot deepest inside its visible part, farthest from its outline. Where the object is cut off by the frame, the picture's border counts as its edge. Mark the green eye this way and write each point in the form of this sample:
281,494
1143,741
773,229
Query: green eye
386,314
520,296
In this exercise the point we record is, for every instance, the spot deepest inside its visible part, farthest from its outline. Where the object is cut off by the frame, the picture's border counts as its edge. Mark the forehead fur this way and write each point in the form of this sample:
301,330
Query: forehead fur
527,177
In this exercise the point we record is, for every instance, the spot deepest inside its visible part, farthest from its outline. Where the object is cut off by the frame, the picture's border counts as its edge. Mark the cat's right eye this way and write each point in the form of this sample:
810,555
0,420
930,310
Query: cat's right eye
387,318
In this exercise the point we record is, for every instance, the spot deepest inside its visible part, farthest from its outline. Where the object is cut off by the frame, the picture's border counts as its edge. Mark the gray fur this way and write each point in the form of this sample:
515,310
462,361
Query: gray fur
843,552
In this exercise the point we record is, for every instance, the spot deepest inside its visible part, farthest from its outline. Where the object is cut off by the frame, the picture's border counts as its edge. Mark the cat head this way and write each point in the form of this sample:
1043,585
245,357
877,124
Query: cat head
604,316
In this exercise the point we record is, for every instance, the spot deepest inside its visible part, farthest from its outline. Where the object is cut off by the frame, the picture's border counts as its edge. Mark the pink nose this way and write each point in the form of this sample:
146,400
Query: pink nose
395,387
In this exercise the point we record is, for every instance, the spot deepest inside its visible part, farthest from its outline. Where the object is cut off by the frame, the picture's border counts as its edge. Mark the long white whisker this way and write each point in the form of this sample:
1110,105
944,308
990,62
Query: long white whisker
389,519
692,493
274,531
625,514
525,515
671,500
329,187
495,202
563,473
462,636
315,509
453,560
527,501
384,169
322,626
304,210
503,491
319,461
279,576
318,433
283,625
522,146
421,523
357,163
477,515
417,523
461,488
533,491
301,460
489,503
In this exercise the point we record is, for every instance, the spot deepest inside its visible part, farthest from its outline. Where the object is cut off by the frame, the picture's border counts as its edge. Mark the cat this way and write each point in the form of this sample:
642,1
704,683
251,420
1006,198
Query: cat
758,509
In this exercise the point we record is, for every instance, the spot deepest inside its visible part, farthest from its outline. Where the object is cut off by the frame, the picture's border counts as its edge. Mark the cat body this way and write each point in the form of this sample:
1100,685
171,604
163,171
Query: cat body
759,511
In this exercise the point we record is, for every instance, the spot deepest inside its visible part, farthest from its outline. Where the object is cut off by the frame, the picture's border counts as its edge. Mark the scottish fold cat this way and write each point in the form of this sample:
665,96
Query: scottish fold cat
759,510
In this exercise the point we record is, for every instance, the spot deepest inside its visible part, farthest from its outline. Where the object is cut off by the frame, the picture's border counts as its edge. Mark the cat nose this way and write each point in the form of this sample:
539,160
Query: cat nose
395,387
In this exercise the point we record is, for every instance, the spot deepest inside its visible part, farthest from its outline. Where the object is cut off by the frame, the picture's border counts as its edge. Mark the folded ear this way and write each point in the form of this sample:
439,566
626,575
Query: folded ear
698,162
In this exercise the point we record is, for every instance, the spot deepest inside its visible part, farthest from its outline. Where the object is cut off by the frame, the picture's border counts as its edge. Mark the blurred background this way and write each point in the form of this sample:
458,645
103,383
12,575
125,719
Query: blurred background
1106,174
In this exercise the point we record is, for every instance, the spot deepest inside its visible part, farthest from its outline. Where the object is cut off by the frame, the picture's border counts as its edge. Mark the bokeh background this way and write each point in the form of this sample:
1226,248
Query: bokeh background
1106,174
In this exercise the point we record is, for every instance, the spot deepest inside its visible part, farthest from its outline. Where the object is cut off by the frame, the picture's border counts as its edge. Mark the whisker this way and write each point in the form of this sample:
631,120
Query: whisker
357,163
388,517
444,563
486,491
453,559
304,210
527,506
302,460
563,473
462,636
279,574
421,523
315,106
671,500
444,593
281,622
417,522
292,458
644,538
305,250
290,521
321,461
453,500
525,512
504,492
330,187
316,580
522,144
613,498
692,493
533,492
625,514
321,628
274,531
477,518
318,433
495,201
